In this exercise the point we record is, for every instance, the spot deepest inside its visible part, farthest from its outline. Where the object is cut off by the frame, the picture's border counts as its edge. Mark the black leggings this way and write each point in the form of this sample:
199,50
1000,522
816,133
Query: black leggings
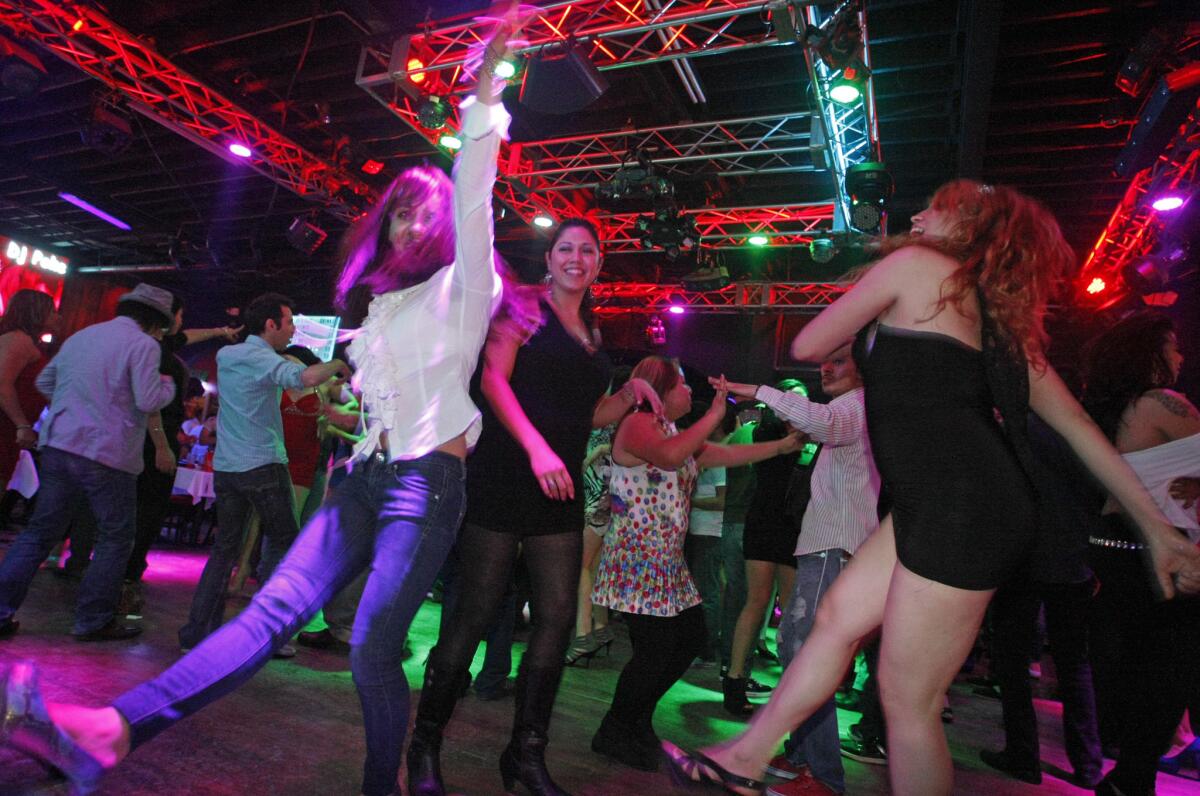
487,559
663,649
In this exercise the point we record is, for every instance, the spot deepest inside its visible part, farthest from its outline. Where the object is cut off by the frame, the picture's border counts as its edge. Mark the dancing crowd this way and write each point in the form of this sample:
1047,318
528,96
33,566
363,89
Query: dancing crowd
951,469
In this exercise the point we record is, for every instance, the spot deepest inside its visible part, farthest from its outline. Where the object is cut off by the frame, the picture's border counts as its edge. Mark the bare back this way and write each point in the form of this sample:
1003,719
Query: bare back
916,303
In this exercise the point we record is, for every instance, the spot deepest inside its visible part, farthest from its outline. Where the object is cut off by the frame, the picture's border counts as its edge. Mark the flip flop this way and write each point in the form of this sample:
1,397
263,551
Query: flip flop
695,768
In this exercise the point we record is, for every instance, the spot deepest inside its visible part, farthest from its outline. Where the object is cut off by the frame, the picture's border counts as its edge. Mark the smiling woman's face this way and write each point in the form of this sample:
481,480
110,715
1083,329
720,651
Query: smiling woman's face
574,261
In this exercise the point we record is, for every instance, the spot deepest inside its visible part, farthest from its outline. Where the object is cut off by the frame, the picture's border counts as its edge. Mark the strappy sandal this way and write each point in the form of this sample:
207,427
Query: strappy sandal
695,768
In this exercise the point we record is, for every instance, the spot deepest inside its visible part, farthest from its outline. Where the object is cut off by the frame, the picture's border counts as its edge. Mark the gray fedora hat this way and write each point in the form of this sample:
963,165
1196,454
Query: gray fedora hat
154,297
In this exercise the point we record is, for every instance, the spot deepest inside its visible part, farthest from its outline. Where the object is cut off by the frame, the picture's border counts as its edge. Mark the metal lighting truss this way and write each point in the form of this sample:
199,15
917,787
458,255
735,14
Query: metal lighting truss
540,177
1133,228
164,93
750,145
851,130
623,298
729,227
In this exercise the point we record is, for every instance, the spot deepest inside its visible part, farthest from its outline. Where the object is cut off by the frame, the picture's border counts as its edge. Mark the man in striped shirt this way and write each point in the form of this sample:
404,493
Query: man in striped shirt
841,514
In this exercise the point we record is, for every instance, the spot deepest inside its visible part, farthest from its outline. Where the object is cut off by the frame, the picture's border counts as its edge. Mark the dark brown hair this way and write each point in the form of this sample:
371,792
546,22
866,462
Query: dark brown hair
27,310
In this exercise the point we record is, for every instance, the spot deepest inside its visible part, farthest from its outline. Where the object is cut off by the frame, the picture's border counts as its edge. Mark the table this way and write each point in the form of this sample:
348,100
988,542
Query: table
195,482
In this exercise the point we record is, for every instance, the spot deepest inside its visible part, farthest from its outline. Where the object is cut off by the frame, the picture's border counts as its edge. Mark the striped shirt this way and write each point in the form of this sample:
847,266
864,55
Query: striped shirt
845,483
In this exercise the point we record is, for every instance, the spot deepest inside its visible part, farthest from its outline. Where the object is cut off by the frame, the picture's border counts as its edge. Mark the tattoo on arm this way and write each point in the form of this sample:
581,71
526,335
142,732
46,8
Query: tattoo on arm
1174,404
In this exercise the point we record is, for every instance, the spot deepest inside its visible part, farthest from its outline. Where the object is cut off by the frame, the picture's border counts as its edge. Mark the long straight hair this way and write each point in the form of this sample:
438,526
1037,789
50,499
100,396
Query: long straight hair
371,265
27,310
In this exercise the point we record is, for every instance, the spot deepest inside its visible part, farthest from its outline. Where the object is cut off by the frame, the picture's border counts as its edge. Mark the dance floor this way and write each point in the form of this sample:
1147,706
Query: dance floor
295,728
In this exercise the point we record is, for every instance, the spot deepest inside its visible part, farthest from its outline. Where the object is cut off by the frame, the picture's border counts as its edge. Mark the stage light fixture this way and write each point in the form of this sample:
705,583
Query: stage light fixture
450,141
371,166
707,277
240,149
676,309
870,186
1097,285
1143,61
656,331
758,240
542,220
433,112
822,250
108,128
635,187
21,72
669,230
844,92
505,70
304,235
413,66
1165,204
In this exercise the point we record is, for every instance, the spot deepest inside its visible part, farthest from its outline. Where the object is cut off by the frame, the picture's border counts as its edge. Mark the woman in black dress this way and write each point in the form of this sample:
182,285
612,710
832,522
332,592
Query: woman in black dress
957,310
544,381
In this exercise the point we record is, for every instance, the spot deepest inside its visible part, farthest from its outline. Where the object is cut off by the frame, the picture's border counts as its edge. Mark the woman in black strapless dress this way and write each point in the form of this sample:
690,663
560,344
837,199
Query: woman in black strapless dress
953,363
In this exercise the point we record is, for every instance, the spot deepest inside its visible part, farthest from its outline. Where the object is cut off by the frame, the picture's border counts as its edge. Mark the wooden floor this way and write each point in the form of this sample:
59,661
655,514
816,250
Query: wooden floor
295,728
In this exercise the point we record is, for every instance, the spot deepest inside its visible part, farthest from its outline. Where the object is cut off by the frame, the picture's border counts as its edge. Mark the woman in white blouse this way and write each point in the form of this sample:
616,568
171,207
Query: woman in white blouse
424,257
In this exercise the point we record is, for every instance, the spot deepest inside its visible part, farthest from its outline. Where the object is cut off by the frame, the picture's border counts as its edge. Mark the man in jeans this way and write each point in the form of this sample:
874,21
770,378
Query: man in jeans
102,385
841,515
250,463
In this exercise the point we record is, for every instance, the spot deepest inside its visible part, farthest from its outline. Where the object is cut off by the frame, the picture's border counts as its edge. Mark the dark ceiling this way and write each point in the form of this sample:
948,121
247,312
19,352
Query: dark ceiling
1037,126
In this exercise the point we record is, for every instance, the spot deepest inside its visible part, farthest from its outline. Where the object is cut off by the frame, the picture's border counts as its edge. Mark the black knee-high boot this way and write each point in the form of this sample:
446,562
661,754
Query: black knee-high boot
524,760
438,696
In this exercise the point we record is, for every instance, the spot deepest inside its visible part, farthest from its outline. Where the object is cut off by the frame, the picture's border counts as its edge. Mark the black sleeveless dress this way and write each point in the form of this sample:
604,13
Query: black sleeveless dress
557,383
963,505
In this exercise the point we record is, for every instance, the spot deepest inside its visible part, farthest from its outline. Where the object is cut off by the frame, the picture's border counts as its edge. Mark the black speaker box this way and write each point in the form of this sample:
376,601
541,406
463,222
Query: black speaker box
562,80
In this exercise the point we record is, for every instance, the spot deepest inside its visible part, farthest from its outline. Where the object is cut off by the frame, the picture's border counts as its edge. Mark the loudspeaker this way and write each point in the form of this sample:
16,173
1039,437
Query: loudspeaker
562,80
1173,98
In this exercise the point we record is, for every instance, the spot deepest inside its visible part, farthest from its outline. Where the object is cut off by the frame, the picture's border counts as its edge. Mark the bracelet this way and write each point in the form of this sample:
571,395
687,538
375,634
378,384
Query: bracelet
156,428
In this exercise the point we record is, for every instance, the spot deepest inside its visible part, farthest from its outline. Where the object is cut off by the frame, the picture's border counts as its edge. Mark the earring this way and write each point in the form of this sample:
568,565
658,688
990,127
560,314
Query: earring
547,279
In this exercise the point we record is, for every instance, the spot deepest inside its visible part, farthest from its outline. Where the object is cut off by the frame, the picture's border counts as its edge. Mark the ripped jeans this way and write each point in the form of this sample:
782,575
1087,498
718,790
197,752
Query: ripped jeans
816,741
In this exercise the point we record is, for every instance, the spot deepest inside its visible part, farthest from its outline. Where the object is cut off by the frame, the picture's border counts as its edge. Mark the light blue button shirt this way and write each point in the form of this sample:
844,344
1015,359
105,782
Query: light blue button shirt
101,385
251,377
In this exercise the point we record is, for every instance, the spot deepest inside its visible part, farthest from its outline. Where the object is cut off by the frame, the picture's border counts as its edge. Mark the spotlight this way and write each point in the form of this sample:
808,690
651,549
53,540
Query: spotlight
842,41
758,240
669,230
656,331
108,129
1097,285
1143,60
705,278
505,69
370,166
304,235
870,186
240,149
635,187
676,309
822,250
21,72
542,220
844,92
1165,204
433,112
450,141
414,66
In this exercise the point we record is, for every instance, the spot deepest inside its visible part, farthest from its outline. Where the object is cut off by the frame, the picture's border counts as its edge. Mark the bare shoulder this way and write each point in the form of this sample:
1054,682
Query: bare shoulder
1169,402
19,344
914,260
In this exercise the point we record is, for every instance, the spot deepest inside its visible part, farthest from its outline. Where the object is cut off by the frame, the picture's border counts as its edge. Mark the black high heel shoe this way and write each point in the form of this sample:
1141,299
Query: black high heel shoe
694,768
25,725
524,761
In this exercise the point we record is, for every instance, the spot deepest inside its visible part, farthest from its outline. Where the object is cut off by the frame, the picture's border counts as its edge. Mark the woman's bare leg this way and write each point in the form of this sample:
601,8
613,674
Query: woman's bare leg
928,629
759,582
851,609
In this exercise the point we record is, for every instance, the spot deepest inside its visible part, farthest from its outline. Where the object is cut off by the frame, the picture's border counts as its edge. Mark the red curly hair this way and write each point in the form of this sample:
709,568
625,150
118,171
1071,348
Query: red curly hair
1011,249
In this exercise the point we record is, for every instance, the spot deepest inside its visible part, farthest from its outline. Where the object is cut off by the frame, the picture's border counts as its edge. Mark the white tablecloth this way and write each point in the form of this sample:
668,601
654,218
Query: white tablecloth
194,482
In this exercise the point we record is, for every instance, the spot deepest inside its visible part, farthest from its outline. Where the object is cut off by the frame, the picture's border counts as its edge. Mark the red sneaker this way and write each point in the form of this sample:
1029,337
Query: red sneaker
801,786
783,768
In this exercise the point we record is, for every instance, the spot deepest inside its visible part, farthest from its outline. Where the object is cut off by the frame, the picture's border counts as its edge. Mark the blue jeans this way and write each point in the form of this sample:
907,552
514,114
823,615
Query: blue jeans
267,490
816,741
112,496
399,520
733,599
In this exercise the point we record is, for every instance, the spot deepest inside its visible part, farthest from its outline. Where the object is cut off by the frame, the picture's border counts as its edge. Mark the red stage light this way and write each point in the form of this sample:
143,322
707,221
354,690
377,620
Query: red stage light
77,25
1096,286
372,167
413,65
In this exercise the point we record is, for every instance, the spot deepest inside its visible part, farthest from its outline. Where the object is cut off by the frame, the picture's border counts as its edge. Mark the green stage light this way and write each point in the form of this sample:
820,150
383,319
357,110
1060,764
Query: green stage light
758,240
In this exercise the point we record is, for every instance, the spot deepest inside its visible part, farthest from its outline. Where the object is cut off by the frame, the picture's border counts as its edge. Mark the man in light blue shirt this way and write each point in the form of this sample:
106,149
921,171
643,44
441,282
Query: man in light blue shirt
102,385
250,463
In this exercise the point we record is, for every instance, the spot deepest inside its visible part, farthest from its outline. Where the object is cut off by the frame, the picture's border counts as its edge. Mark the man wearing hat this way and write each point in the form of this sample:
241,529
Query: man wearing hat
102,385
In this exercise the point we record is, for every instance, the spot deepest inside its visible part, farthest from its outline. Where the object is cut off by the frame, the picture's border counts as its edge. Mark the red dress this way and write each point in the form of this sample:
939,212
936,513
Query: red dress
32,403
300,436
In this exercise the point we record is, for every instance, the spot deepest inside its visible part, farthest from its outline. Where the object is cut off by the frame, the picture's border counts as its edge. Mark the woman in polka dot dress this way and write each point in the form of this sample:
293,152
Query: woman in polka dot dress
642,571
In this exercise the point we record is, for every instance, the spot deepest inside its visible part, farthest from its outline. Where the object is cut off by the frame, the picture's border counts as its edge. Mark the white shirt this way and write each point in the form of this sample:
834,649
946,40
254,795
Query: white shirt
842,511
706,522
418,347
1159,466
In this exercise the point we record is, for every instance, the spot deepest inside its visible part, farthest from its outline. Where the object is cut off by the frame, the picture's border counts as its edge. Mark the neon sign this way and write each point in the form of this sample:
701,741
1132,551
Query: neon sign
16,253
